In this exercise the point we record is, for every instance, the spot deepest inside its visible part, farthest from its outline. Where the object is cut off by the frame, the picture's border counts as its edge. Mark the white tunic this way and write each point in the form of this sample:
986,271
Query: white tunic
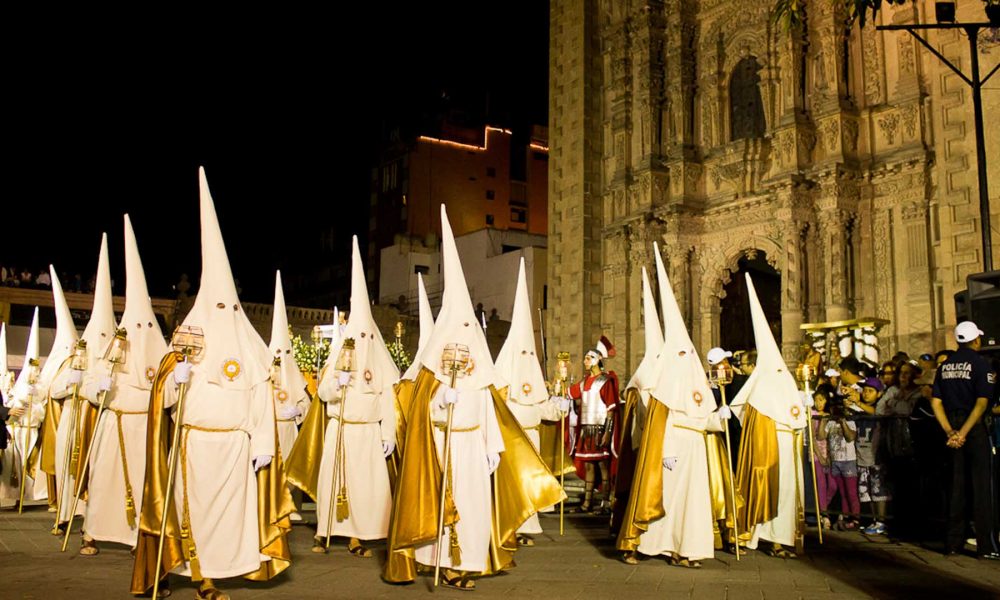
106,491
470,477
371,419
231,428
288,429
530,416
686,528
791,493
35,490
61,389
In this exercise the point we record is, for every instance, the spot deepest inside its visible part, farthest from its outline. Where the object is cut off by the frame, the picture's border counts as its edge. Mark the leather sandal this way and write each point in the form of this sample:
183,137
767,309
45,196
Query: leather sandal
354,547
630,558
88,547
523,540
318,547
210,593
459,581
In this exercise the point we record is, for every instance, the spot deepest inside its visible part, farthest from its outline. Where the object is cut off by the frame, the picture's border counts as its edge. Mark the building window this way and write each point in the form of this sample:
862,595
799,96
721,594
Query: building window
489,220
421,269
746,109
490,194
491,172
518,215
518,193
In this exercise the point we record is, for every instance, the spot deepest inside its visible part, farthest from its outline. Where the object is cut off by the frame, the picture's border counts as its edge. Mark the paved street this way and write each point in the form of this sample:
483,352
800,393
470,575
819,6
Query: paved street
583,564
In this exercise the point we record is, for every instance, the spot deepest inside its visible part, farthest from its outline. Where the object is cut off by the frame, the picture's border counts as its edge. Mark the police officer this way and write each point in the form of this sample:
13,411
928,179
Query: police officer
962,391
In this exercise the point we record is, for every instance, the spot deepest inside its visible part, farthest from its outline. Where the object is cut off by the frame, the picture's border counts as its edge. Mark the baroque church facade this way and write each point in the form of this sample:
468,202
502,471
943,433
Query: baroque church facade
837,166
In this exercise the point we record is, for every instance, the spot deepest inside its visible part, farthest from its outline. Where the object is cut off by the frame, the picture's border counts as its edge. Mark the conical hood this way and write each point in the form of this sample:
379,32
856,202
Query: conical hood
517,363
235,357
681,381
66,335
662,283
457,324
101,327
771,388
3,349
20,390
426,327
375,367
293,384
644,377
146,346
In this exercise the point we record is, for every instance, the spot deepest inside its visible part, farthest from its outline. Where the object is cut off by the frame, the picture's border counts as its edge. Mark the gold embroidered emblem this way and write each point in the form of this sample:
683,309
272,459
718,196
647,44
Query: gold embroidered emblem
526,388
697,398
470,367
368,376
282,395
231,368
150,374
795,412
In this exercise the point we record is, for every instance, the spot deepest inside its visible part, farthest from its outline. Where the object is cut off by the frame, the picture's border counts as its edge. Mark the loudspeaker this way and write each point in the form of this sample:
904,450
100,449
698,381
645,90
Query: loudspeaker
984,304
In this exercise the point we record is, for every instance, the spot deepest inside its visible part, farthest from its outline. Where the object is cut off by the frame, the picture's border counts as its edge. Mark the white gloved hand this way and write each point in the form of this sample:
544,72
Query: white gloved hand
492,461
450,396
388,447
182,373
287,413
259,462
343,378
564,405
808,401
725,413
32,390
75,377
670,462
572,419
104,384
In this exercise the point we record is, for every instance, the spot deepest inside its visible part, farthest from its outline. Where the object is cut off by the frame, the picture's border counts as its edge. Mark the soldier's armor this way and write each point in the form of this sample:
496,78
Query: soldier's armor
593,410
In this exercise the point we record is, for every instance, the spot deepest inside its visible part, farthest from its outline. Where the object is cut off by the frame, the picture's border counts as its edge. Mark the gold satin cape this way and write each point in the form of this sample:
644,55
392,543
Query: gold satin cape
645,502
626,459
46,444
302,468
522,485
757,471
274,502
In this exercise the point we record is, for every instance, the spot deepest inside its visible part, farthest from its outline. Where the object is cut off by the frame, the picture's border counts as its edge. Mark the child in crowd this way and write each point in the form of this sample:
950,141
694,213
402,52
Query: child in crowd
826,485
872,487
839,434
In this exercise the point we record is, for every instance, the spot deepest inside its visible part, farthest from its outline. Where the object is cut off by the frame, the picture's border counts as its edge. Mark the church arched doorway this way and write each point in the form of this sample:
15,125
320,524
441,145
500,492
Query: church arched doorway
736,327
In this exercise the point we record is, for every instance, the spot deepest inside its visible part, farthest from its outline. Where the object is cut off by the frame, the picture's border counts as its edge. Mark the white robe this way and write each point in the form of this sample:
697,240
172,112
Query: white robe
470,476
530,416
36,491
221,484
686,528
61,389
791,493
288,429
371,419
105,518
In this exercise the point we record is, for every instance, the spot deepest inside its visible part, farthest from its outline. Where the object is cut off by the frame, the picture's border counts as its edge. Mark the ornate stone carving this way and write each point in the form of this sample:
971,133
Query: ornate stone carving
872,65
850,135
910,121
888,125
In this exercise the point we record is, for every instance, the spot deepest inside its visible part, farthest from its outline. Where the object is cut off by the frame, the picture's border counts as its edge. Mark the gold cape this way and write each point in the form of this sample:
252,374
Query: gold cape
522,485
719,475
46,444
274,502
302,468
645,502
626,459
757,471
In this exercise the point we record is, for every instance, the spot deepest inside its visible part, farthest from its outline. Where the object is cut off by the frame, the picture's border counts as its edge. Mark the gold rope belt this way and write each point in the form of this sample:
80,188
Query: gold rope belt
286,420
187,539
533,427
130,512
347,422
444,427
690,429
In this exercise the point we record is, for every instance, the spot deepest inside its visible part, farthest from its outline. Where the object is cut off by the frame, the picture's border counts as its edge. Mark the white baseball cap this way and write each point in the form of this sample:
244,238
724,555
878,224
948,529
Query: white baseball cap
966,331
716,355
832,373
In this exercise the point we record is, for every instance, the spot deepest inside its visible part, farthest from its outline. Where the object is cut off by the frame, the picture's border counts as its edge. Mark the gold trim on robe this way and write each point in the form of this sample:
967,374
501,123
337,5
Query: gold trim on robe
46,443
718,485
274,502
302,466
626,459
757,471
645,502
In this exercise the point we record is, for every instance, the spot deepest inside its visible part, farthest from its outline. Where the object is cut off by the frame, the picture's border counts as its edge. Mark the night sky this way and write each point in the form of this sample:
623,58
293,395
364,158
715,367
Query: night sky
113,112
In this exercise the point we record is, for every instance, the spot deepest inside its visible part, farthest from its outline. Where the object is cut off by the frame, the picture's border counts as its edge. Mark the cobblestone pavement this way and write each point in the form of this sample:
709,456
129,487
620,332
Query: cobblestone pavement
581,564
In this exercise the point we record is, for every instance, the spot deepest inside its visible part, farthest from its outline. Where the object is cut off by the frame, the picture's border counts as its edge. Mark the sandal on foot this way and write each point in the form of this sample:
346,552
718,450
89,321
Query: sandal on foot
523,540
630,558
318,546
780,552
355,548
88,548
683,562
210,594
459,582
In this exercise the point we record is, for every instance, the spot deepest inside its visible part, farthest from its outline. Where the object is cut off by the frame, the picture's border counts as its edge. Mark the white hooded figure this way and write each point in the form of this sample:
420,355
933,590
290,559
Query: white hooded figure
644,379
291,398
476,442
69,434
772,392
369,428
685,532
6,379
118,457
426,326
518,365
24,432
228,418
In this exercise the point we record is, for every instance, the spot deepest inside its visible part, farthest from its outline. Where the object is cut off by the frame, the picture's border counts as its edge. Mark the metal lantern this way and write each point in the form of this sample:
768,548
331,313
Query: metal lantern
117,350
806,373
188,340
78,361
455,360
720,374
345,360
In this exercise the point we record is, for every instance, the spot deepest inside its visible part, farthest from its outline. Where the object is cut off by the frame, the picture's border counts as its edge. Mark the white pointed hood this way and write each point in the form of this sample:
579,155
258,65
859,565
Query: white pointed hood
681,381
771,388
456,323
375,369
66,335
3,349
644,377
101,326
518,362
426,327
293,384
20,390
235,357
662,283
146,346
